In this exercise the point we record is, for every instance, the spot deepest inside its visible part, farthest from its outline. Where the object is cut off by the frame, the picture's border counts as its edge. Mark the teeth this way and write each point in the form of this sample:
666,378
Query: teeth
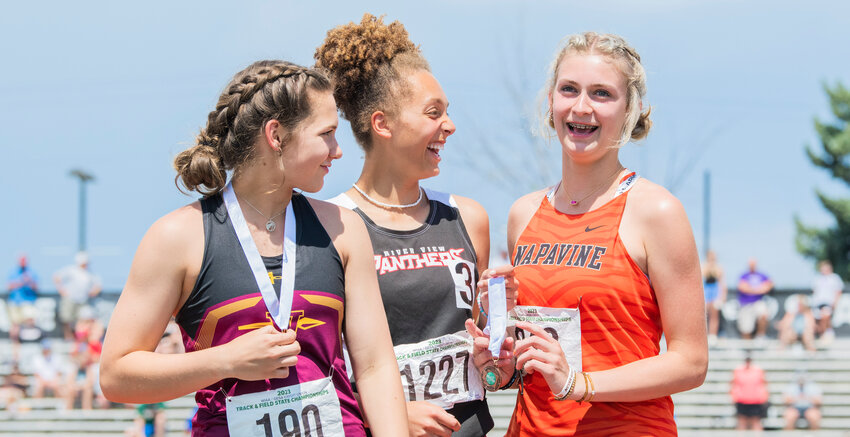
581,126
436,146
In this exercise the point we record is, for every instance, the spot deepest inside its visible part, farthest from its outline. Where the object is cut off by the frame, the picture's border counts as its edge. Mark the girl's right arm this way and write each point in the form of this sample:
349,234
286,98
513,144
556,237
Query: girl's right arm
367,334
160,279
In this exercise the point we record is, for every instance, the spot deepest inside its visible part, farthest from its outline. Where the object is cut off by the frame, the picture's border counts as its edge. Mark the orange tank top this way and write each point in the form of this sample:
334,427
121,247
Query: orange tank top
568,261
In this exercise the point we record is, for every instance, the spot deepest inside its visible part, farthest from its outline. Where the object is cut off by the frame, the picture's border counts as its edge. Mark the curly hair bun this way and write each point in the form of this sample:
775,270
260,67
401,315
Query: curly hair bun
366,62
353,53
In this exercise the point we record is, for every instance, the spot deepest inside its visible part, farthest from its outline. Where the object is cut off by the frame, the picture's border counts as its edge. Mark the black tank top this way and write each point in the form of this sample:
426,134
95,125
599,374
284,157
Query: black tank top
226,303
425,294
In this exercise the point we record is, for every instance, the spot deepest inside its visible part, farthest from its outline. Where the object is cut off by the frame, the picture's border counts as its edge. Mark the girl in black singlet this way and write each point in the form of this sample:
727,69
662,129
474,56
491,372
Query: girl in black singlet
429,247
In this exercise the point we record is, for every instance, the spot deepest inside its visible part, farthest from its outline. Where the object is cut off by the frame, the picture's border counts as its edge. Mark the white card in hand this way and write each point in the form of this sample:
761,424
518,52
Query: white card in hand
497,314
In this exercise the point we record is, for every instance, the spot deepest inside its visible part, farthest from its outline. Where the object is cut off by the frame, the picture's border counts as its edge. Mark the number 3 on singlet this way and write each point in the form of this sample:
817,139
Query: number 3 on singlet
463,275
306,409
439,370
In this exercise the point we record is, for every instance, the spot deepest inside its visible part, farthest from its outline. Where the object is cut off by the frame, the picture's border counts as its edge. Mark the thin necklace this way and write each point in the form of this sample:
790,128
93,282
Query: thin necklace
388,205
270,224
607,181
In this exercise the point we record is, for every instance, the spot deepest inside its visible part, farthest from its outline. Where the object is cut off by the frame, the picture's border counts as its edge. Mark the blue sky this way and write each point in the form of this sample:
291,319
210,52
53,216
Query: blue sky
119,88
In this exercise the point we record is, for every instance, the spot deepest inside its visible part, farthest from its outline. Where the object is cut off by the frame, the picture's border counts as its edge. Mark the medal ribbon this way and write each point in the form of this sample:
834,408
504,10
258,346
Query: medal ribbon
279,309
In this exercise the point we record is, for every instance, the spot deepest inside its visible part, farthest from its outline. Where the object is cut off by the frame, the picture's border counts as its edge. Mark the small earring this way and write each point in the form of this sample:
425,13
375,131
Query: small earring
551,120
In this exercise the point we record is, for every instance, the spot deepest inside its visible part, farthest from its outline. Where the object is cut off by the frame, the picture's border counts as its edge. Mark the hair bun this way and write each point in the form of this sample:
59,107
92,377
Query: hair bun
641,129
199,168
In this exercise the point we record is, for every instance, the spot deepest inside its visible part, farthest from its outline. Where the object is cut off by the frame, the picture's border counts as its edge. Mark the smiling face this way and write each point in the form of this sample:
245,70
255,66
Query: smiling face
421,126
312,146
588,102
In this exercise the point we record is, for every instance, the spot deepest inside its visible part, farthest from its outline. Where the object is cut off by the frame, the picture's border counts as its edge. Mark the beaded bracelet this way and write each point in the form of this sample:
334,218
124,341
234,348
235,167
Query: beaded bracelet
592,388
481,307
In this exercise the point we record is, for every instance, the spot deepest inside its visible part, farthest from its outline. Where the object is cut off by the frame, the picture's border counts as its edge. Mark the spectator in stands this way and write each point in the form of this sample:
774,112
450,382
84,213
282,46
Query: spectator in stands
714,287
77,286
802,399
826,291
752,287
85,357
22,286
799,324
13,389
50,372
749,392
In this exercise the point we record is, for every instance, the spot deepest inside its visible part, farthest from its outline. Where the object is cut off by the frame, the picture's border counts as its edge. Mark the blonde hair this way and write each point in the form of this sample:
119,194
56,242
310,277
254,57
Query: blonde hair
637,123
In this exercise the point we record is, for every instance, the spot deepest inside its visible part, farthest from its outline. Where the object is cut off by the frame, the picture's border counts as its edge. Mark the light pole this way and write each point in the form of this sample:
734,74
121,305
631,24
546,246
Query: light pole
84,178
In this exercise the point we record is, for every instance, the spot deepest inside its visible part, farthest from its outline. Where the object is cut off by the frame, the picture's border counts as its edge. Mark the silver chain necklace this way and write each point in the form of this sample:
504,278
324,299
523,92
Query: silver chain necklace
270,224
388,205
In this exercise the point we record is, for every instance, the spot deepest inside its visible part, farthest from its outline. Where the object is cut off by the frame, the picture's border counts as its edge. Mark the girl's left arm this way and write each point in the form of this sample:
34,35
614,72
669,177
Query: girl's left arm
367,334
672,264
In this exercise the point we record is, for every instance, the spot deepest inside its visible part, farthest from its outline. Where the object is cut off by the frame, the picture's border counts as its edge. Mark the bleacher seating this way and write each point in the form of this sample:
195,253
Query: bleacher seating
708,410
704,411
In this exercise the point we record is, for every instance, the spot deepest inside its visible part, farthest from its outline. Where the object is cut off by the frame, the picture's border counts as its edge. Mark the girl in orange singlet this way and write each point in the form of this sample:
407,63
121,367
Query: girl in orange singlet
617,247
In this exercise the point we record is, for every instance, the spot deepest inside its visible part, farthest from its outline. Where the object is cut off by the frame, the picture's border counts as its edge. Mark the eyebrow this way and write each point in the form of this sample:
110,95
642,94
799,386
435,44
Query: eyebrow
593,85
437,100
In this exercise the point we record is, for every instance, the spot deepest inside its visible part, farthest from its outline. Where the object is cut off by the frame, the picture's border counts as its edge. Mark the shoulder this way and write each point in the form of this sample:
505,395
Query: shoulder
177,231
177,222
473,213
524,207
334,217
652,204
343,225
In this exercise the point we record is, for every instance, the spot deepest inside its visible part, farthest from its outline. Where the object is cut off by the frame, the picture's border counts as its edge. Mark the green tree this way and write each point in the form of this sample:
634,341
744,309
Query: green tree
832,243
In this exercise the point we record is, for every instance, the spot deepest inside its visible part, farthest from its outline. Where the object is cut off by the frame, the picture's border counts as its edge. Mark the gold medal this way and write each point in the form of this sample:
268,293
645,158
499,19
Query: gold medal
491,378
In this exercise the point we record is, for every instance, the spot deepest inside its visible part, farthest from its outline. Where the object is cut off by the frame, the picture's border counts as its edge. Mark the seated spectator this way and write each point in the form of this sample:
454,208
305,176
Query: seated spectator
802,399
13,389
826,292
750,395
50,371
150,421
85,359
752,287
798,324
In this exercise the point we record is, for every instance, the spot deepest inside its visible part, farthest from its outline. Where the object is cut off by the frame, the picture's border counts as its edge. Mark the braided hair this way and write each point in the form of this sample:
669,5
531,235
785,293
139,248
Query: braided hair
266,90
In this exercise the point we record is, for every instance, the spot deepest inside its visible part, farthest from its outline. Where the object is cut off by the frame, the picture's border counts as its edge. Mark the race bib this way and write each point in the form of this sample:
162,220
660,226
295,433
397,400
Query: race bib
463,275
563,324
439,370
307,409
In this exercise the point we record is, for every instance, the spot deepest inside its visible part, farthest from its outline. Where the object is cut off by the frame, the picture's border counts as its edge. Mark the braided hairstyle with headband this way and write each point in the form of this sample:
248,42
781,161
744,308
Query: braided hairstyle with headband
368,62
627,59
266,90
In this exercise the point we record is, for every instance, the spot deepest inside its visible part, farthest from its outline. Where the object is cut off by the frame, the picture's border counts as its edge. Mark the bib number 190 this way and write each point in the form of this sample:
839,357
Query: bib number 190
290,426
